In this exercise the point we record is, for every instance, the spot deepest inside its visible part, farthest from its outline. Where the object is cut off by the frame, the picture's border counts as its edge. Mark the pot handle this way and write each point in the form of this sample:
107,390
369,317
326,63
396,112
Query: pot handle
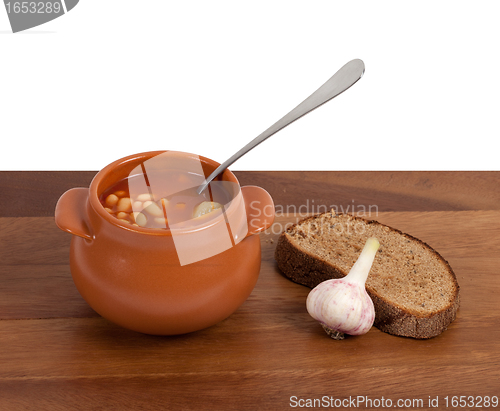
259,207
71,212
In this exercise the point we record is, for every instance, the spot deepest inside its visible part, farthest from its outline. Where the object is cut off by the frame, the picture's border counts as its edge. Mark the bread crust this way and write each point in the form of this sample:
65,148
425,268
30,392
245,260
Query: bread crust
304,268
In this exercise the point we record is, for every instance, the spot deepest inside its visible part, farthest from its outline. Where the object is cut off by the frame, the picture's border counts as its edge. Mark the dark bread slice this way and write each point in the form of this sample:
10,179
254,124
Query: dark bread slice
413,288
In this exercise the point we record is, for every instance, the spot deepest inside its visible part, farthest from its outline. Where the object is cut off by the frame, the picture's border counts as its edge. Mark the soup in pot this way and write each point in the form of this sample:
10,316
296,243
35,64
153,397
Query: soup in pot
141,209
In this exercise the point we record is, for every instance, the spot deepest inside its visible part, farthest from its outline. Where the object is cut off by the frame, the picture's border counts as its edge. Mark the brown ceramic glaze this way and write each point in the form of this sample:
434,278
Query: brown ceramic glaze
132,275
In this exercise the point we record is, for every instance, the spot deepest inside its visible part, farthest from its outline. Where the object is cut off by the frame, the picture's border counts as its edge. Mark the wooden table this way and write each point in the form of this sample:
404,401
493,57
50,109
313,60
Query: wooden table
56,353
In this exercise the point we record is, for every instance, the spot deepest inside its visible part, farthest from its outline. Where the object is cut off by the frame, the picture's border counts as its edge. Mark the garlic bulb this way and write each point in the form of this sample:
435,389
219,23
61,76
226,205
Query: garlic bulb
343,306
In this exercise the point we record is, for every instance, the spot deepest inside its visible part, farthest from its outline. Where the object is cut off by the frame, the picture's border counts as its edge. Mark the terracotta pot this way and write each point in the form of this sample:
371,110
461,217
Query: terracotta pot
132,275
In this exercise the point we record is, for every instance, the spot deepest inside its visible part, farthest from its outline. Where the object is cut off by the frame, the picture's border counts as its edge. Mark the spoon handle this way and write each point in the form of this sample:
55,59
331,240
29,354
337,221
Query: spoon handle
338,83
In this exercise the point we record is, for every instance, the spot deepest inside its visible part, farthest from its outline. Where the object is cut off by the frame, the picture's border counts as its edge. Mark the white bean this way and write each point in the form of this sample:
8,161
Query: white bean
124,204
161,221
144,197
111,200
137,206
141,219
154,210
122,216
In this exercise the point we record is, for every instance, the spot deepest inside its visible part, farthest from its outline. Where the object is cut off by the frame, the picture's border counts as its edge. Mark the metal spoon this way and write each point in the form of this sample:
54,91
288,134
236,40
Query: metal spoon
338,83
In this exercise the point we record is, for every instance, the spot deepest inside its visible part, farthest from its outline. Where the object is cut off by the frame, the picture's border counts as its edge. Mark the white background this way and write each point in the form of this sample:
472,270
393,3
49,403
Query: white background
117,77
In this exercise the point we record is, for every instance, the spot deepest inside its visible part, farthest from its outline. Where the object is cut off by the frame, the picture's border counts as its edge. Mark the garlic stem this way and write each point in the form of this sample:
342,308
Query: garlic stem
361,268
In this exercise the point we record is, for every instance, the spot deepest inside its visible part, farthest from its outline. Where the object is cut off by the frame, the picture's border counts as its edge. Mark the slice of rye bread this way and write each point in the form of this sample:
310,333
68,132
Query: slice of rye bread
413,288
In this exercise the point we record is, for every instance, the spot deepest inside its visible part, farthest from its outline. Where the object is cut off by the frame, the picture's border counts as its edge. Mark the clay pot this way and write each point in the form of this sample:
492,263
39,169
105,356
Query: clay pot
133,277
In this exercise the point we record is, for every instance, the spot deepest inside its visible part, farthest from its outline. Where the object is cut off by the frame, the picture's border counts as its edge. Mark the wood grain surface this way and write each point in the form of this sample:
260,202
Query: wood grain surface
35,193
58,354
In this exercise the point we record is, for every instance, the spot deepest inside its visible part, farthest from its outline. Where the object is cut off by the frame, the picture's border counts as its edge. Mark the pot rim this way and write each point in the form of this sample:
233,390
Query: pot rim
99,209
